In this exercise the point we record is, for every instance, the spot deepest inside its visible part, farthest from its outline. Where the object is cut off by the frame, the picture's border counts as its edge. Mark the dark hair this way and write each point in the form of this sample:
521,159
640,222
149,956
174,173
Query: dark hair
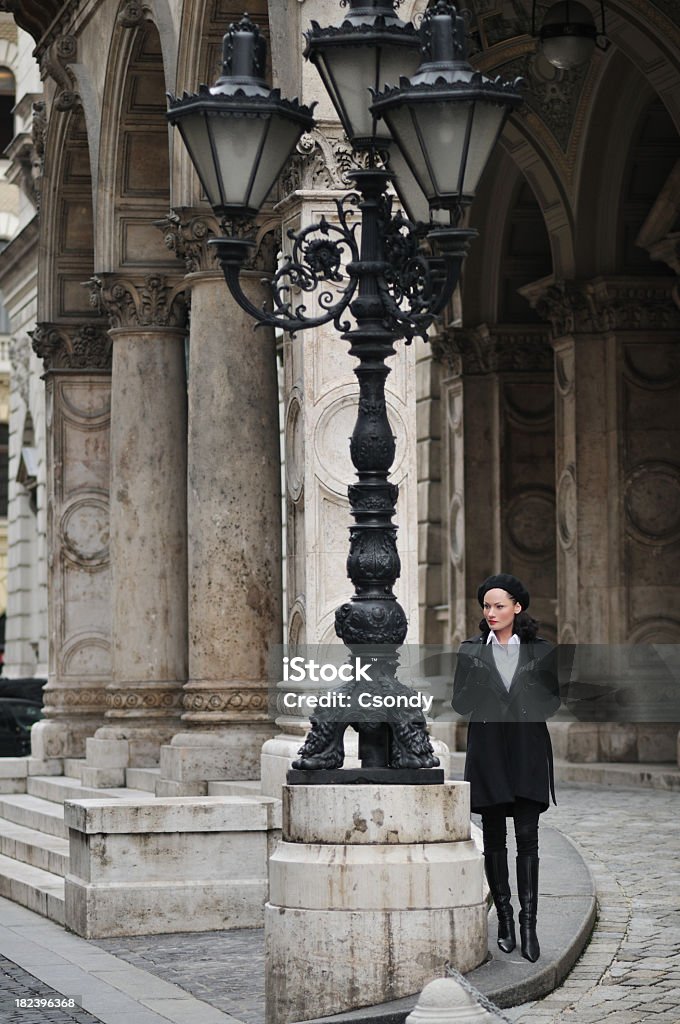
525,627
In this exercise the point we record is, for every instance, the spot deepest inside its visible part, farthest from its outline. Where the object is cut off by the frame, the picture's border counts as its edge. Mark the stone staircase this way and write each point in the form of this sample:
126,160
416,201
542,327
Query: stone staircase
34,844
34,839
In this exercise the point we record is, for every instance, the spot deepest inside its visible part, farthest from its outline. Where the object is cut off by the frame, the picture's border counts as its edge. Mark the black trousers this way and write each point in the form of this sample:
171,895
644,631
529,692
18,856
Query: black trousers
525,815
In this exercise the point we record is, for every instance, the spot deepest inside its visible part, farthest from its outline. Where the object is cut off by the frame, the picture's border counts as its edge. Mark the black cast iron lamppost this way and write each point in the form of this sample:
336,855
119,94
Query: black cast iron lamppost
441,126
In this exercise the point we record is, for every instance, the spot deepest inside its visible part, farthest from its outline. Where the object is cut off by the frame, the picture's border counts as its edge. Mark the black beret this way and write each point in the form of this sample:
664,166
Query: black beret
505,581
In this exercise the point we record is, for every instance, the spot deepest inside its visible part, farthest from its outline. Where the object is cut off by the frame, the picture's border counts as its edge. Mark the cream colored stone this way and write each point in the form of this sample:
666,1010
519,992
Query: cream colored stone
102,778
13,767
150,857
445,1001
189,814
101,753
377,814
337,960
145,908
168,787
411,876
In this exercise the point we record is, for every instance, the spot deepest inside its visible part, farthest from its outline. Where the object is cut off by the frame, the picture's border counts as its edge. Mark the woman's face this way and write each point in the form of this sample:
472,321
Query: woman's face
499,609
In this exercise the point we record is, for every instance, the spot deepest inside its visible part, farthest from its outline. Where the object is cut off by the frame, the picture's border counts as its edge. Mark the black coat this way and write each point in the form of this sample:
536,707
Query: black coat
509,753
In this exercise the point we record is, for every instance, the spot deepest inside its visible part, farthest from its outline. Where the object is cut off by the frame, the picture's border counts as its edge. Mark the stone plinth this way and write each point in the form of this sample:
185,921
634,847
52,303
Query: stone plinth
372,890
179,864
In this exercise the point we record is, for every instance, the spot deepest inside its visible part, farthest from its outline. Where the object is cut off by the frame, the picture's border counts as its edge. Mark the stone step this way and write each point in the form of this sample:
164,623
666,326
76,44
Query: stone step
59,788
49,853
39,890
34,813
245,788
633,774
142,778
72,767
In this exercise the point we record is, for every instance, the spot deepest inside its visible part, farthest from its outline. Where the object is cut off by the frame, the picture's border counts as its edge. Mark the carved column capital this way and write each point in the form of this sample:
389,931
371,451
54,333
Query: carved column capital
494,349
320,162
605,304
186,232
86,347
152,301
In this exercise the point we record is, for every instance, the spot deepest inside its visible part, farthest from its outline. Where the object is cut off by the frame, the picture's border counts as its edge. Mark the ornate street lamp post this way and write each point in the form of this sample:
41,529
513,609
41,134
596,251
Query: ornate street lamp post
394,277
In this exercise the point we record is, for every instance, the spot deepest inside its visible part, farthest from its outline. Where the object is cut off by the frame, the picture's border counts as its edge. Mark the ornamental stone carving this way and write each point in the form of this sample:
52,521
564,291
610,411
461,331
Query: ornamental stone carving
566,508
76,699
652,503
20,363
187,233
240,702
131,14
65,348
603,305
144,702
152,302
320,162
487,349
54,63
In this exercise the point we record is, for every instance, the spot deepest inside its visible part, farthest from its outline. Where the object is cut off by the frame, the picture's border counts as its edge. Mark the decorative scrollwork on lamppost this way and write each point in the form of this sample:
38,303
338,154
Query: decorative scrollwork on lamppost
430,137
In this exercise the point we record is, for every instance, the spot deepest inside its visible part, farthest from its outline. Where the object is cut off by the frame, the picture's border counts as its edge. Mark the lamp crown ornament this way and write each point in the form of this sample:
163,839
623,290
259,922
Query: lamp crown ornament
244,53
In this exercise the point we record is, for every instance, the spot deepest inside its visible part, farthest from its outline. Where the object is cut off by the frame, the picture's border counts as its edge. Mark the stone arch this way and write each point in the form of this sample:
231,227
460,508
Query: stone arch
623,97
66,258
199,61
650,41
485,277
134,170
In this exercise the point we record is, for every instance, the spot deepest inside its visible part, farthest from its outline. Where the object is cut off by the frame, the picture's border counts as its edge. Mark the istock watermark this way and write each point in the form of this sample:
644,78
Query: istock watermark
298,669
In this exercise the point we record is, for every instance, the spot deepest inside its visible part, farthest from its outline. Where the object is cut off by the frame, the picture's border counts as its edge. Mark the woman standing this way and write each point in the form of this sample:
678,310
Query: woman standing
506,680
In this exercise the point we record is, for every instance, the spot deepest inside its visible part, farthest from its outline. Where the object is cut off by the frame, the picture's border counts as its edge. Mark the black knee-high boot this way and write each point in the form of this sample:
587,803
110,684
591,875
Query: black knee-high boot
496,866
527,890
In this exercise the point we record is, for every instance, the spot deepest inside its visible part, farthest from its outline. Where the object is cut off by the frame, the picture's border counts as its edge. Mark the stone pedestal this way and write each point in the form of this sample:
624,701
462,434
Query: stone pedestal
172,865
234,523
372,890
77,362
148,519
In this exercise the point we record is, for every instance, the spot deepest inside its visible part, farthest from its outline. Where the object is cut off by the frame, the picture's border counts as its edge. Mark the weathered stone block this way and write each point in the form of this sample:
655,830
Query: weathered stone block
412,876
178,864
102,778
378,814
333,960
101,753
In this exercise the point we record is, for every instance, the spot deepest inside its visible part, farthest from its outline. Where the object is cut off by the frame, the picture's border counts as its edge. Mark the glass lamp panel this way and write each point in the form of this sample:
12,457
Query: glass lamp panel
238,142
194,130
400,122
487,122
412,197
568,51
443,128
280,140
344,77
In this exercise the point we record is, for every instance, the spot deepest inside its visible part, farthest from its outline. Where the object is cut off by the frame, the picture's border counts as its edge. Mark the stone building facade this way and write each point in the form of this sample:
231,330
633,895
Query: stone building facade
537,433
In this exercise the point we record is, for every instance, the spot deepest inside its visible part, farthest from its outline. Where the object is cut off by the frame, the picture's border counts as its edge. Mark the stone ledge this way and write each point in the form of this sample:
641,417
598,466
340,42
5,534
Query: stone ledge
171,814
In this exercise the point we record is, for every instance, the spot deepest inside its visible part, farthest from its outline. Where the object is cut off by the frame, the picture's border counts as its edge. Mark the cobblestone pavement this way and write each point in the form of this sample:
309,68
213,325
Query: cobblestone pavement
630,971
628,974
17,985
226,969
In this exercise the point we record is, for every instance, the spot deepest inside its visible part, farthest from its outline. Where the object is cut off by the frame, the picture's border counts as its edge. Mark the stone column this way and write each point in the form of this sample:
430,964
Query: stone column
77,361
148,524
498,408
618,490
234,521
